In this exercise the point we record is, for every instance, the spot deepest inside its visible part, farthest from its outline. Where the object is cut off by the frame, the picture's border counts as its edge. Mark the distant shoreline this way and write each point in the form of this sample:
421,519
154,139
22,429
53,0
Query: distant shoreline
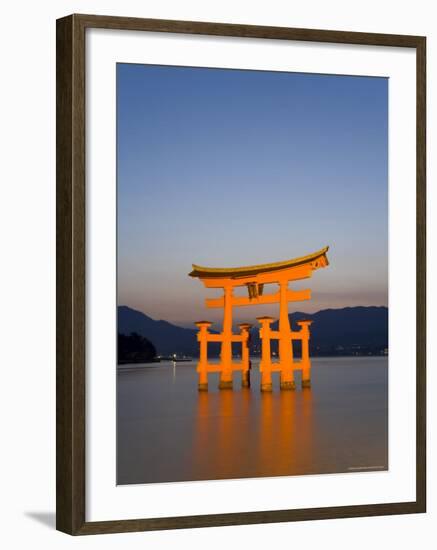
214,359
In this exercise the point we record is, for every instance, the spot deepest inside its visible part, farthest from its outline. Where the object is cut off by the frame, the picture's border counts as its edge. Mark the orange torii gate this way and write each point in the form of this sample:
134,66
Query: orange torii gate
254,278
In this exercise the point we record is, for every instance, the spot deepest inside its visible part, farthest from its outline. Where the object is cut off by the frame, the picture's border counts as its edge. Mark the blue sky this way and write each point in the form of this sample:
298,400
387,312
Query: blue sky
228,167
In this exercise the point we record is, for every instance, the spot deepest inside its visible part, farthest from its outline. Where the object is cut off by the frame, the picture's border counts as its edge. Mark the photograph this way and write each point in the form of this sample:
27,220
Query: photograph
252,274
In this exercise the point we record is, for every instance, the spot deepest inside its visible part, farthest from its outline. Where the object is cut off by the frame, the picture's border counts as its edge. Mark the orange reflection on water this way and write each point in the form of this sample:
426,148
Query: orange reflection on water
248,434
286,432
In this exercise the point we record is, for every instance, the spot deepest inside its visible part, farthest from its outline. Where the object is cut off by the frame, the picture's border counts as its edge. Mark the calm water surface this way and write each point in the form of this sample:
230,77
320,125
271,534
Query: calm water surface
168,431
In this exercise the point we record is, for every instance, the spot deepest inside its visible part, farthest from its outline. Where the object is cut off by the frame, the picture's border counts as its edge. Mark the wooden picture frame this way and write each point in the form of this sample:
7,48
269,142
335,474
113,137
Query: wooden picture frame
71,254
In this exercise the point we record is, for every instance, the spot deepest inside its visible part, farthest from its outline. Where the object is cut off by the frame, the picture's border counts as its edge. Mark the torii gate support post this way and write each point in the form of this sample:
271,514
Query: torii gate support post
285,343
305,361
266,360
202,366
226,348
245,336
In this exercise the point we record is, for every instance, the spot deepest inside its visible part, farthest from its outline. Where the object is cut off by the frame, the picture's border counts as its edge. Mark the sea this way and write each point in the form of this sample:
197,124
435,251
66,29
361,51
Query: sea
167,431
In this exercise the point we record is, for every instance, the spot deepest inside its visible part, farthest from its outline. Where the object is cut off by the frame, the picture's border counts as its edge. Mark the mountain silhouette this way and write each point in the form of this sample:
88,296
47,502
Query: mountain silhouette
356,330
166,338
348,331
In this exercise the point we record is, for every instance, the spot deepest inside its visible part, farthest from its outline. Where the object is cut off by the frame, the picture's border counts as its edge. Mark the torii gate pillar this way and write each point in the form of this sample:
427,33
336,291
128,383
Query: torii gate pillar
226,347
285,343
305,361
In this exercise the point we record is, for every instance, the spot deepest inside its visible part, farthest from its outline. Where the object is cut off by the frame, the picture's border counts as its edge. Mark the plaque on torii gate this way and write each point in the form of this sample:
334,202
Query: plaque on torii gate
254,278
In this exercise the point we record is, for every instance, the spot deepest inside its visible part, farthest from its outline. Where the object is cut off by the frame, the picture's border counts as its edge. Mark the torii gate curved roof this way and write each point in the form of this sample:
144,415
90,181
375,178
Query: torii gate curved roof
236,272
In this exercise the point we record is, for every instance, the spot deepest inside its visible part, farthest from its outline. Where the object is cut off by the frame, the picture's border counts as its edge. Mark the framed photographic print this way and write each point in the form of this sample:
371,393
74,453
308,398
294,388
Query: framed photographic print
240,274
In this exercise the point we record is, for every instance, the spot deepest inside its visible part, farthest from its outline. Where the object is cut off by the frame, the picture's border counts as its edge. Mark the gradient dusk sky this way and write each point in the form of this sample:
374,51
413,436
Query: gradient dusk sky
224,167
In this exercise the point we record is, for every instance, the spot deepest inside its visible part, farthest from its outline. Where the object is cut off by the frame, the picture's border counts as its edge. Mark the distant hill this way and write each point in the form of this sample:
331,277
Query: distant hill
134,348
166,338
351,330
